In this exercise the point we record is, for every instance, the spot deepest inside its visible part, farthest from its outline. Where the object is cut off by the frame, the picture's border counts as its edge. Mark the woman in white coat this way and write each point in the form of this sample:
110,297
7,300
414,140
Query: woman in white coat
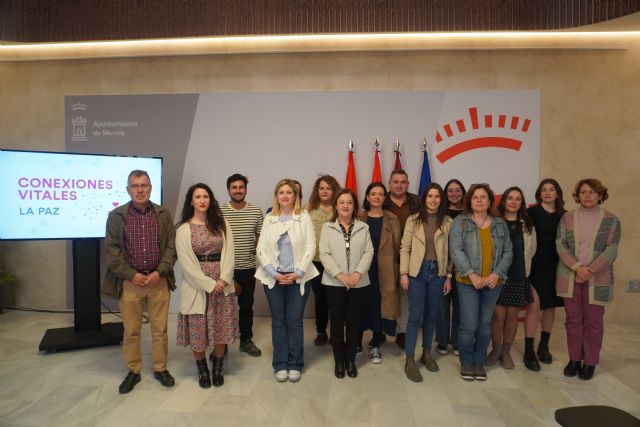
208,310
285,253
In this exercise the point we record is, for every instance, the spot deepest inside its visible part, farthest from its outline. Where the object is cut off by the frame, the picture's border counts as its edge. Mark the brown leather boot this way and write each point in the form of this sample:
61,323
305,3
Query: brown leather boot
429,362
505,357
411,370
492,358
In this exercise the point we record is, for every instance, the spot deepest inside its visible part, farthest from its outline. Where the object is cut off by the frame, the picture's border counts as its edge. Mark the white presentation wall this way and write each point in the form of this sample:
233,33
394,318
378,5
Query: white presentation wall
268,136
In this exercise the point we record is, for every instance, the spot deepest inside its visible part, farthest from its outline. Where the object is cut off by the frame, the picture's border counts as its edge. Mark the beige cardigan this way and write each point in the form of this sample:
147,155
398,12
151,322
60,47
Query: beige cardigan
530,246
413,247
195,285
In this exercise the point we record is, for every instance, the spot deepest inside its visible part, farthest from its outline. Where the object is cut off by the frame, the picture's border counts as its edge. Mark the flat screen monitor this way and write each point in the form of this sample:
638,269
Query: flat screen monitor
45,195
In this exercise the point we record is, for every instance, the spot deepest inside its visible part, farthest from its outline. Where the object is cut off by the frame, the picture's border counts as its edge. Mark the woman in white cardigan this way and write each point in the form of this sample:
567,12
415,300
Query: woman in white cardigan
346,253
517,291
208,311
285,250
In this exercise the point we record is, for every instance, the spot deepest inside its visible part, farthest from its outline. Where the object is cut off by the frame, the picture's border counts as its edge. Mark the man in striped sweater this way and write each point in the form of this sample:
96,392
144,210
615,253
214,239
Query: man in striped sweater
245,221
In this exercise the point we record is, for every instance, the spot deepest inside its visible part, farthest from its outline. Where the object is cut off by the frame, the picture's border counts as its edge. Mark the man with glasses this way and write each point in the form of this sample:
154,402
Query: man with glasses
140,252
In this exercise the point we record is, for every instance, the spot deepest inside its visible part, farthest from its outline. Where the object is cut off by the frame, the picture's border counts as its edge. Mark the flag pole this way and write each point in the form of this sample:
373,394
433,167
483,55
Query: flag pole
377,172
425,175
350,180
398,163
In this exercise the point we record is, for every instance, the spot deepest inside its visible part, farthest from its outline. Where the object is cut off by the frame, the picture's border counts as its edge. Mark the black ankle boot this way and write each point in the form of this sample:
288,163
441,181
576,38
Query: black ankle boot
352,371
203,373
572,368
586,372
216,371
531,361
543,348
339,370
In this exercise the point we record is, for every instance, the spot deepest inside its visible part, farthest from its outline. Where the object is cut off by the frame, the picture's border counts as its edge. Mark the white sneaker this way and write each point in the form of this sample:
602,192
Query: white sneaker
442,349
294,376
375,355
282,376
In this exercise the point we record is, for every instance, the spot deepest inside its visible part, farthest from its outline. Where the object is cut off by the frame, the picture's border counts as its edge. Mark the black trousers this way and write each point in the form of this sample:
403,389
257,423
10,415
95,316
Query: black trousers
245,301
345,306
320,296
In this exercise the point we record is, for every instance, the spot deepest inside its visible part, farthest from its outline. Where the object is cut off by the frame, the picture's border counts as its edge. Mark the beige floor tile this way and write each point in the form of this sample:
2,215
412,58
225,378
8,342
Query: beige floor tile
80,388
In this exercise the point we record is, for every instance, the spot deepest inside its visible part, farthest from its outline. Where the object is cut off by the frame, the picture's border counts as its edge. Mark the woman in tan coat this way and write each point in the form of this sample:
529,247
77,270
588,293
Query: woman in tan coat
425,272
382,299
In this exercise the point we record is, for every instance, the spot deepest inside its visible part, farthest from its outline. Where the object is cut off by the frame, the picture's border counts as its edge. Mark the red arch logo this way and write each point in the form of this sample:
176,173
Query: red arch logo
491,121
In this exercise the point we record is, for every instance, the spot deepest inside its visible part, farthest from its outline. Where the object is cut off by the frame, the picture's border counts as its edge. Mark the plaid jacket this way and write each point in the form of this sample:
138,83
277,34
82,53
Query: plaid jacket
605,239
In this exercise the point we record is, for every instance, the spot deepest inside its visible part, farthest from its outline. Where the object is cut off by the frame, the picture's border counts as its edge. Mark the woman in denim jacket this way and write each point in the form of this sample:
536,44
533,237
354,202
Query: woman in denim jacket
481,251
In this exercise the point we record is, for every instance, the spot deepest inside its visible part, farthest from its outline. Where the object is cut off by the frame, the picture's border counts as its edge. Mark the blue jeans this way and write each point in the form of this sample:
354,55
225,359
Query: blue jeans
425,297
448,322
287,307
476,312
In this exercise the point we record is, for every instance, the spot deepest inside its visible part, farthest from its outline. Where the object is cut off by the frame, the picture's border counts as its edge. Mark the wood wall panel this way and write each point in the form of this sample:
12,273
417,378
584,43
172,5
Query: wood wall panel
69,20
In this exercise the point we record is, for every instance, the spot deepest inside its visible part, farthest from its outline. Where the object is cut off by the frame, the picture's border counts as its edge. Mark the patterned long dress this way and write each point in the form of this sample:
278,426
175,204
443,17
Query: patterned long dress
219,325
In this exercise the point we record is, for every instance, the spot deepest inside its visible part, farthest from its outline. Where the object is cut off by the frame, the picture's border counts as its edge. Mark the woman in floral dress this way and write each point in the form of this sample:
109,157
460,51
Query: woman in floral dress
208,310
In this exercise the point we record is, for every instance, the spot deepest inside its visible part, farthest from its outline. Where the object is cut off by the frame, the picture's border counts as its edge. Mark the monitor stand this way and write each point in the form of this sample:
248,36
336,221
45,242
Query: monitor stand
88,331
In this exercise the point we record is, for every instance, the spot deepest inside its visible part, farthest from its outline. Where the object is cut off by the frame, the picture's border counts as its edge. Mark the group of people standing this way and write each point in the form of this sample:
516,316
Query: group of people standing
450,262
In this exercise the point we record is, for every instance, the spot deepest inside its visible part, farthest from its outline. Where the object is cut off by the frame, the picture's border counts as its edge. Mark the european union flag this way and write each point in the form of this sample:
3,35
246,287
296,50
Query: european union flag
425,176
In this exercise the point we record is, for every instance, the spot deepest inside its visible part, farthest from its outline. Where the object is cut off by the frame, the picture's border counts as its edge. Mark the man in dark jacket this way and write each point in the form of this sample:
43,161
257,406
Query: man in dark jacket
403,204
140,252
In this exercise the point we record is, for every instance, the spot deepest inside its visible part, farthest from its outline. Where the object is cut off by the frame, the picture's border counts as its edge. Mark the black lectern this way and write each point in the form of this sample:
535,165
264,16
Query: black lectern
88,331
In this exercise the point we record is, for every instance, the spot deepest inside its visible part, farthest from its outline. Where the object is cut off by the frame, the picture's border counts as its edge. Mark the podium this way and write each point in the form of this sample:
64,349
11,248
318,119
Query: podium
88,329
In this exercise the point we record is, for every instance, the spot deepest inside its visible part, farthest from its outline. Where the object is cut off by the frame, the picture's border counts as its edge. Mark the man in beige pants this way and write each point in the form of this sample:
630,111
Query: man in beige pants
140,252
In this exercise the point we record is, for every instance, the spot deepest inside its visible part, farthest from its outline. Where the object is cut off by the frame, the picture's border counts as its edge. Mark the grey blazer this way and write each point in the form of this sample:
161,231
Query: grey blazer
333,253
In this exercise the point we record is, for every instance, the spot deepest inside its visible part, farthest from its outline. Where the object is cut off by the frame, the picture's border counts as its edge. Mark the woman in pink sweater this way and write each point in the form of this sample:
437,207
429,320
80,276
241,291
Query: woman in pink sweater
587,245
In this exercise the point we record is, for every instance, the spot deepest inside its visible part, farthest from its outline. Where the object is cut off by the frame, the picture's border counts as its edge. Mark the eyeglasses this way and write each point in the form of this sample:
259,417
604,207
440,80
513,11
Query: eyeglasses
454,190
139,186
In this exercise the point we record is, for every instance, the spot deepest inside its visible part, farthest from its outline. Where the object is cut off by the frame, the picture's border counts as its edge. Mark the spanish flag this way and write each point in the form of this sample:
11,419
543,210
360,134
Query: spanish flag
350,181
377,174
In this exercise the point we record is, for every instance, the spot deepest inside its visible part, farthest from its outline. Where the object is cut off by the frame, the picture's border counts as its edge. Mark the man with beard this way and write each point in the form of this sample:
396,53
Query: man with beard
245,220
403,204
